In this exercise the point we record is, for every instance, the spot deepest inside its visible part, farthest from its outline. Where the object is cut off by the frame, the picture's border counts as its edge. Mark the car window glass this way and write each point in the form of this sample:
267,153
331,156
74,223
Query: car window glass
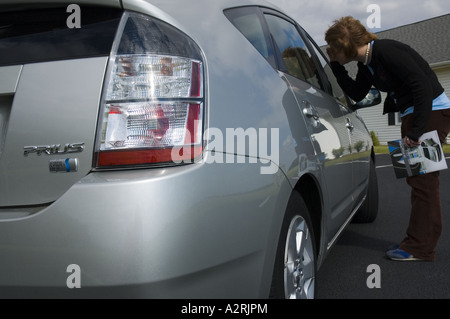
248,21
37,35
251,27
293,52
338,93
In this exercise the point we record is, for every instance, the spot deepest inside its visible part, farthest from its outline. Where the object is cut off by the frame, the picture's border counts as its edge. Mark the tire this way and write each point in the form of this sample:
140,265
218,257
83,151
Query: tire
294,275
368,211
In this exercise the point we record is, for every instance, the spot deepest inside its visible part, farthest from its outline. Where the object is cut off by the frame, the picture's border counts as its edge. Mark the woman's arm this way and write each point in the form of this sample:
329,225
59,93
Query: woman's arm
356,89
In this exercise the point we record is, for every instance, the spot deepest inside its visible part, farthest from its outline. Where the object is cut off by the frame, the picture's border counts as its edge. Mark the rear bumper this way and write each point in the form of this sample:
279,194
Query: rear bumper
202,230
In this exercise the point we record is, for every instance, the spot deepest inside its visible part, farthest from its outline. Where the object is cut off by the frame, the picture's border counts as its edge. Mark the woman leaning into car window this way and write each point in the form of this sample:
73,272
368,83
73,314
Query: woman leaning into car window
413,90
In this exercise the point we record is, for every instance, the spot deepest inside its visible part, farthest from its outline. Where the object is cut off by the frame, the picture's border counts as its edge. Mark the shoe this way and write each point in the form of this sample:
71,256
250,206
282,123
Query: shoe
400,255
393,247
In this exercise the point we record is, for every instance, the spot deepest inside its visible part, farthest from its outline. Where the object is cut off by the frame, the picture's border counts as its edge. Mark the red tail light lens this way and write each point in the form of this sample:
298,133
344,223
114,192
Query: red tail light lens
147,132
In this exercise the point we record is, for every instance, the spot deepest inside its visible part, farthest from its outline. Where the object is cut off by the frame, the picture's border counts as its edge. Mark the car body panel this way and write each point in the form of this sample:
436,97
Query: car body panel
361,153
119,236
329,134
55,103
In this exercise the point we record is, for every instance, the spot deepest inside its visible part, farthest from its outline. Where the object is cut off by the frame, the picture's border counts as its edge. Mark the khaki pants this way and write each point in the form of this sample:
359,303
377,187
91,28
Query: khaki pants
425,224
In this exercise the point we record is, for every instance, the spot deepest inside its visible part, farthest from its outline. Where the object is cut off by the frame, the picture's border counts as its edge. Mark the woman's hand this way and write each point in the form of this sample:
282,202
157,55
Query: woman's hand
410,143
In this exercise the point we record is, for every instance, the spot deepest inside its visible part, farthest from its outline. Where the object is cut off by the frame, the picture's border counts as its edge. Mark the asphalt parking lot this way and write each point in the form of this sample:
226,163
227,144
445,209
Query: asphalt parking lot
350,265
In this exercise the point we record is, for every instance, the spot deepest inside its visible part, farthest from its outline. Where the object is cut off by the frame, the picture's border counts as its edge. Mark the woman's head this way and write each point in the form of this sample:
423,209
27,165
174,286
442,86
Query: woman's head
346,35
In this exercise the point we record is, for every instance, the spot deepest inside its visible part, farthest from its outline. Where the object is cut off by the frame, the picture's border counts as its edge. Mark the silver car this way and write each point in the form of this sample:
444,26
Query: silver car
171,149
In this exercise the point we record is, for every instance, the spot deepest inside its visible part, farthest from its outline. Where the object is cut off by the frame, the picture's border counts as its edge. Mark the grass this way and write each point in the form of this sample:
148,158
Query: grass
383,149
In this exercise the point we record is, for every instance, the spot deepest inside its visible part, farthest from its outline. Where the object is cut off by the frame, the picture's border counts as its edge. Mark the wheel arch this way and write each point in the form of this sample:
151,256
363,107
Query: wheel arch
308,187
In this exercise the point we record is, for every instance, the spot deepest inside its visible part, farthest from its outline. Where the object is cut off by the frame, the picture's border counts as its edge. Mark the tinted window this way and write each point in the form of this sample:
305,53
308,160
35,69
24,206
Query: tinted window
37,35
338,93
295,57
249,22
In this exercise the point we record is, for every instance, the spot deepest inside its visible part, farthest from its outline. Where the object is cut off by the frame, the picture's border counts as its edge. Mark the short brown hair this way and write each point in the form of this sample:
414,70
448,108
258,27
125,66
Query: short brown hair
348,34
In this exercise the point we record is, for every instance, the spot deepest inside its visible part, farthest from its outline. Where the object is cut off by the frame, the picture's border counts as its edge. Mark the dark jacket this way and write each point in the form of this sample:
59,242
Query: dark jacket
401,72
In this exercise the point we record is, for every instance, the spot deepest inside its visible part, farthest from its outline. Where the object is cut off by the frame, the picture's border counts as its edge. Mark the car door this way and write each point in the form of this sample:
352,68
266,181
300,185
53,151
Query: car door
360,141
326,122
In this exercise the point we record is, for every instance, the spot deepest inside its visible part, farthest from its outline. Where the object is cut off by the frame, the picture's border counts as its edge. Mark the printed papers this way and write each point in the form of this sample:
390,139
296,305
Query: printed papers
425,158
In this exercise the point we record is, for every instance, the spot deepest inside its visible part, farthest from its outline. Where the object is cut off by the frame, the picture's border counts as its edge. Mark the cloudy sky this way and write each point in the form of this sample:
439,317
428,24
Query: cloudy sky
316,16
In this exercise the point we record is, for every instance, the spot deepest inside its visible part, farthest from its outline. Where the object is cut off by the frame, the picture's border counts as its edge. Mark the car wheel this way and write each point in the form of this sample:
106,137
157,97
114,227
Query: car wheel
294,274
368,211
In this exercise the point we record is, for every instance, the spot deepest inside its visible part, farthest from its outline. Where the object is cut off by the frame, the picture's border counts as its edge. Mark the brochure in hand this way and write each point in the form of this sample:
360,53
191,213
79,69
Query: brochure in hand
425,158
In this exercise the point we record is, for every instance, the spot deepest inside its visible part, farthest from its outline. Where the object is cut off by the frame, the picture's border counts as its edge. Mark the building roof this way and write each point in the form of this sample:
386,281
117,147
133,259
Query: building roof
431,38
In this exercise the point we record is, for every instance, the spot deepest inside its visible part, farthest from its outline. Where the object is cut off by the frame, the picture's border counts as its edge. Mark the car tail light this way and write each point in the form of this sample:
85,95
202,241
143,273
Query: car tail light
153,100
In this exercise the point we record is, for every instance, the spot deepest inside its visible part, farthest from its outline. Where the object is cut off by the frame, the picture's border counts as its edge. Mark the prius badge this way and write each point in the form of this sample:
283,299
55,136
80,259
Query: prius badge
56,149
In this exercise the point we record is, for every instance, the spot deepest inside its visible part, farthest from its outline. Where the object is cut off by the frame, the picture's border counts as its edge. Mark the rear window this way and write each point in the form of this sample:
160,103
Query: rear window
42,34
249,21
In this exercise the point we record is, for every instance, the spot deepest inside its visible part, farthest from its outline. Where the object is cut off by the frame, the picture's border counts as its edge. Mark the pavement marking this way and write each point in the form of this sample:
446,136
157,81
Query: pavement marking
382,166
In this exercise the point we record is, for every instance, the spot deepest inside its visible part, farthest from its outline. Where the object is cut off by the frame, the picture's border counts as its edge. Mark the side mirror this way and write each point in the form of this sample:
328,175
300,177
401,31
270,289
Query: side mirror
372,98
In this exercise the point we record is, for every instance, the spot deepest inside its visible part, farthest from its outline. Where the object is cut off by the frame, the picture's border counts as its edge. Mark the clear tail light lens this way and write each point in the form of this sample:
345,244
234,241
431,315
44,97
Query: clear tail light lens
142,76
153,102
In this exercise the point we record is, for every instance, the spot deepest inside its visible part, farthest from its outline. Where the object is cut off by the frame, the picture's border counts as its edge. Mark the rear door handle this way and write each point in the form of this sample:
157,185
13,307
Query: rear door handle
310,111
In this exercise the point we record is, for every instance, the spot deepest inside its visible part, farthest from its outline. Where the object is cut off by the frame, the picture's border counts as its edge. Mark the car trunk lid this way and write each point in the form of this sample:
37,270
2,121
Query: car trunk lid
51,78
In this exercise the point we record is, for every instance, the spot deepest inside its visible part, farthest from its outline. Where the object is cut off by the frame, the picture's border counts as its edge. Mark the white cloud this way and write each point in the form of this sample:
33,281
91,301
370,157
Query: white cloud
317,15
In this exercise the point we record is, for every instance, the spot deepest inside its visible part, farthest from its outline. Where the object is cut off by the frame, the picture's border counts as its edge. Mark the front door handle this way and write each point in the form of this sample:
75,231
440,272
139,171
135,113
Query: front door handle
349,125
